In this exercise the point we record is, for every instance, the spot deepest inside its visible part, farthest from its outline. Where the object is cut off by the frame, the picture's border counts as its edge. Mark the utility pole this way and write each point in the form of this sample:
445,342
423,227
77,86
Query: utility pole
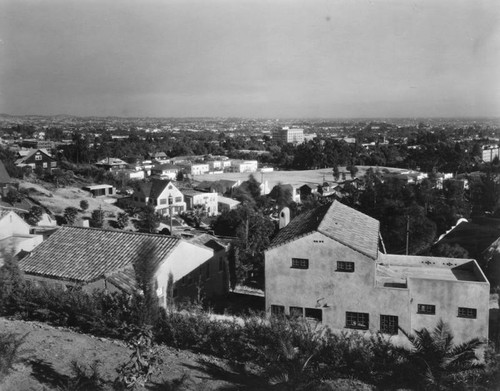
407,232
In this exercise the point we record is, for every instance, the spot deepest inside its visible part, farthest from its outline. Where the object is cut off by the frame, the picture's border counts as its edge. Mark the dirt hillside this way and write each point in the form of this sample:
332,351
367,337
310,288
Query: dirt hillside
49,351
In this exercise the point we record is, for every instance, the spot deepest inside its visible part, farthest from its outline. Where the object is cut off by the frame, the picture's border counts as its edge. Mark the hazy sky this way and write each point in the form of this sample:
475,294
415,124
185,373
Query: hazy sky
251,58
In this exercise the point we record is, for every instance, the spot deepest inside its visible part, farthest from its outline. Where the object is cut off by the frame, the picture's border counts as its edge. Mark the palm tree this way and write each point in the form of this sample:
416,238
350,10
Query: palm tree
436,358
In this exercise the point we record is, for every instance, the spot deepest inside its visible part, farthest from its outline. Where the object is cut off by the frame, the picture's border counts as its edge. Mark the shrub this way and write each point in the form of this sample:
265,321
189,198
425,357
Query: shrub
70,214
122,220
144,360
10,351
97,218
34,215
84,377
84,205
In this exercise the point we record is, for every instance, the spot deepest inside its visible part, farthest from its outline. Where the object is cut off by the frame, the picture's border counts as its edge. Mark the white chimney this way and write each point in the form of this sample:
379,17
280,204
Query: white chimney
284,217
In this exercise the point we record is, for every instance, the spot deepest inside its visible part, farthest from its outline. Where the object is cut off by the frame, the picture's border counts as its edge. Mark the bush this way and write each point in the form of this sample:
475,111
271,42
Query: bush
97,218
70,214
84,205
10,351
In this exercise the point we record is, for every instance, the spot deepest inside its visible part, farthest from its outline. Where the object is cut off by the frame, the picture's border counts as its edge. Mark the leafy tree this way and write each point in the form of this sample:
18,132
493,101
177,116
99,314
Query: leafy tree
34,215
97,218
122,220
336,172
450,251
11,278
145,266
70,214
180,176
148,220
282,195
353,170
435,358
14,195
84,205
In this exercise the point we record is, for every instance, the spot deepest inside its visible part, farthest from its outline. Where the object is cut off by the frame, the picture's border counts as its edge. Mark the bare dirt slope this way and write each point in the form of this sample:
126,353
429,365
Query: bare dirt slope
49,352
58,199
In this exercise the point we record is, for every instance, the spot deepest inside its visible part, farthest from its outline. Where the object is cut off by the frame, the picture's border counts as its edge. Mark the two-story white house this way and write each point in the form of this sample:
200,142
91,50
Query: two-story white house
326,265
209,201
163,195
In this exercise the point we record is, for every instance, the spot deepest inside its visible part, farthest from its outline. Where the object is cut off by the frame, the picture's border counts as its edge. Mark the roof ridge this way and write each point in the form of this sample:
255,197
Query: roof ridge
120,231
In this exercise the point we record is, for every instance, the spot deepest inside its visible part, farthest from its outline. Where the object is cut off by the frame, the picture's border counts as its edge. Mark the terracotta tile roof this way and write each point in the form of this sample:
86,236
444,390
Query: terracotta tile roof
301,225
87,254
124,280
339,222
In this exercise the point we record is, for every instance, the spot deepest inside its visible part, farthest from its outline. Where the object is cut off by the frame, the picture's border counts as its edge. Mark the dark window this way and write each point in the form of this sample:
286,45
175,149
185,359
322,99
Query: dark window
464,312
221,264
178,199
277,310
356,320
300,263
345,266
314,313
296,312
389,324
428,309
207,271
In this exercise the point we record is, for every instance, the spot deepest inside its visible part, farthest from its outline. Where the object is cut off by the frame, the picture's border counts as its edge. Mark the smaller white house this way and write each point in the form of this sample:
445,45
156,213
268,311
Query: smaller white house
243,166
165,171
226,204
207,200
195,168
15,234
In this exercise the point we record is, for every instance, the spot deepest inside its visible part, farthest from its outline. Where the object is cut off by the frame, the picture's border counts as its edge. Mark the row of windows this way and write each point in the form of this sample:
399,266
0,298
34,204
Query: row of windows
358,320
463,312
354,320
342,266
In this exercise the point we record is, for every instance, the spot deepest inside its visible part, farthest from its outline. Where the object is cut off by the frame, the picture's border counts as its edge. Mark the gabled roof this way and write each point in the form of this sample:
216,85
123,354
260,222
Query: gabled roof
154,188
30,153
338,222
87,254
4,175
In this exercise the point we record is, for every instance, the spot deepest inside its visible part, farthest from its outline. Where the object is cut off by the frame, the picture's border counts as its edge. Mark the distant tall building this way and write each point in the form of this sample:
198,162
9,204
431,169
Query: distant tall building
289,135
490,152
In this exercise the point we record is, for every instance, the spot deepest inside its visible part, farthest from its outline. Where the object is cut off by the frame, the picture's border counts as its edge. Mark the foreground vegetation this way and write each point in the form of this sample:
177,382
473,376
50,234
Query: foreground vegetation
289,352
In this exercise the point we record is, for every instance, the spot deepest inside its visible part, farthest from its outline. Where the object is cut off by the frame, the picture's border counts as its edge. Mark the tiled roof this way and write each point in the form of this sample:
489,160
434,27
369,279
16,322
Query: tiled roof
301,225
124,280
86,254
352,228
339,222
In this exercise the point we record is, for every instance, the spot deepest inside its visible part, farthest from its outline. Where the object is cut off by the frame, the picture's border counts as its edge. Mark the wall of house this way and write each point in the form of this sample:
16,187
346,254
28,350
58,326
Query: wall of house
205,282
13,225
207,199
447,296
323,286
185,258
335,293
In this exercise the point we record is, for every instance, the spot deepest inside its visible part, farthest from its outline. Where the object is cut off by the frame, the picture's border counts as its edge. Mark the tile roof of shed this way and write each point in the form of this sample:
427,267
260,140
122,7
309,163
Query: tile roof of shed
339,222
87,254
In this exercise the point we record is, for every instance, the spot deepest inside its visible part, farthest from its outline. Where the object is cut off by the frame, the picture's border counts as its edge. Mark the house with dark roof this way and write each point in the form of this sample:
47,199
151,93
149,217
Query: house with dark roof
6,182
111,164
36,158
94,258
326,265
163,195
